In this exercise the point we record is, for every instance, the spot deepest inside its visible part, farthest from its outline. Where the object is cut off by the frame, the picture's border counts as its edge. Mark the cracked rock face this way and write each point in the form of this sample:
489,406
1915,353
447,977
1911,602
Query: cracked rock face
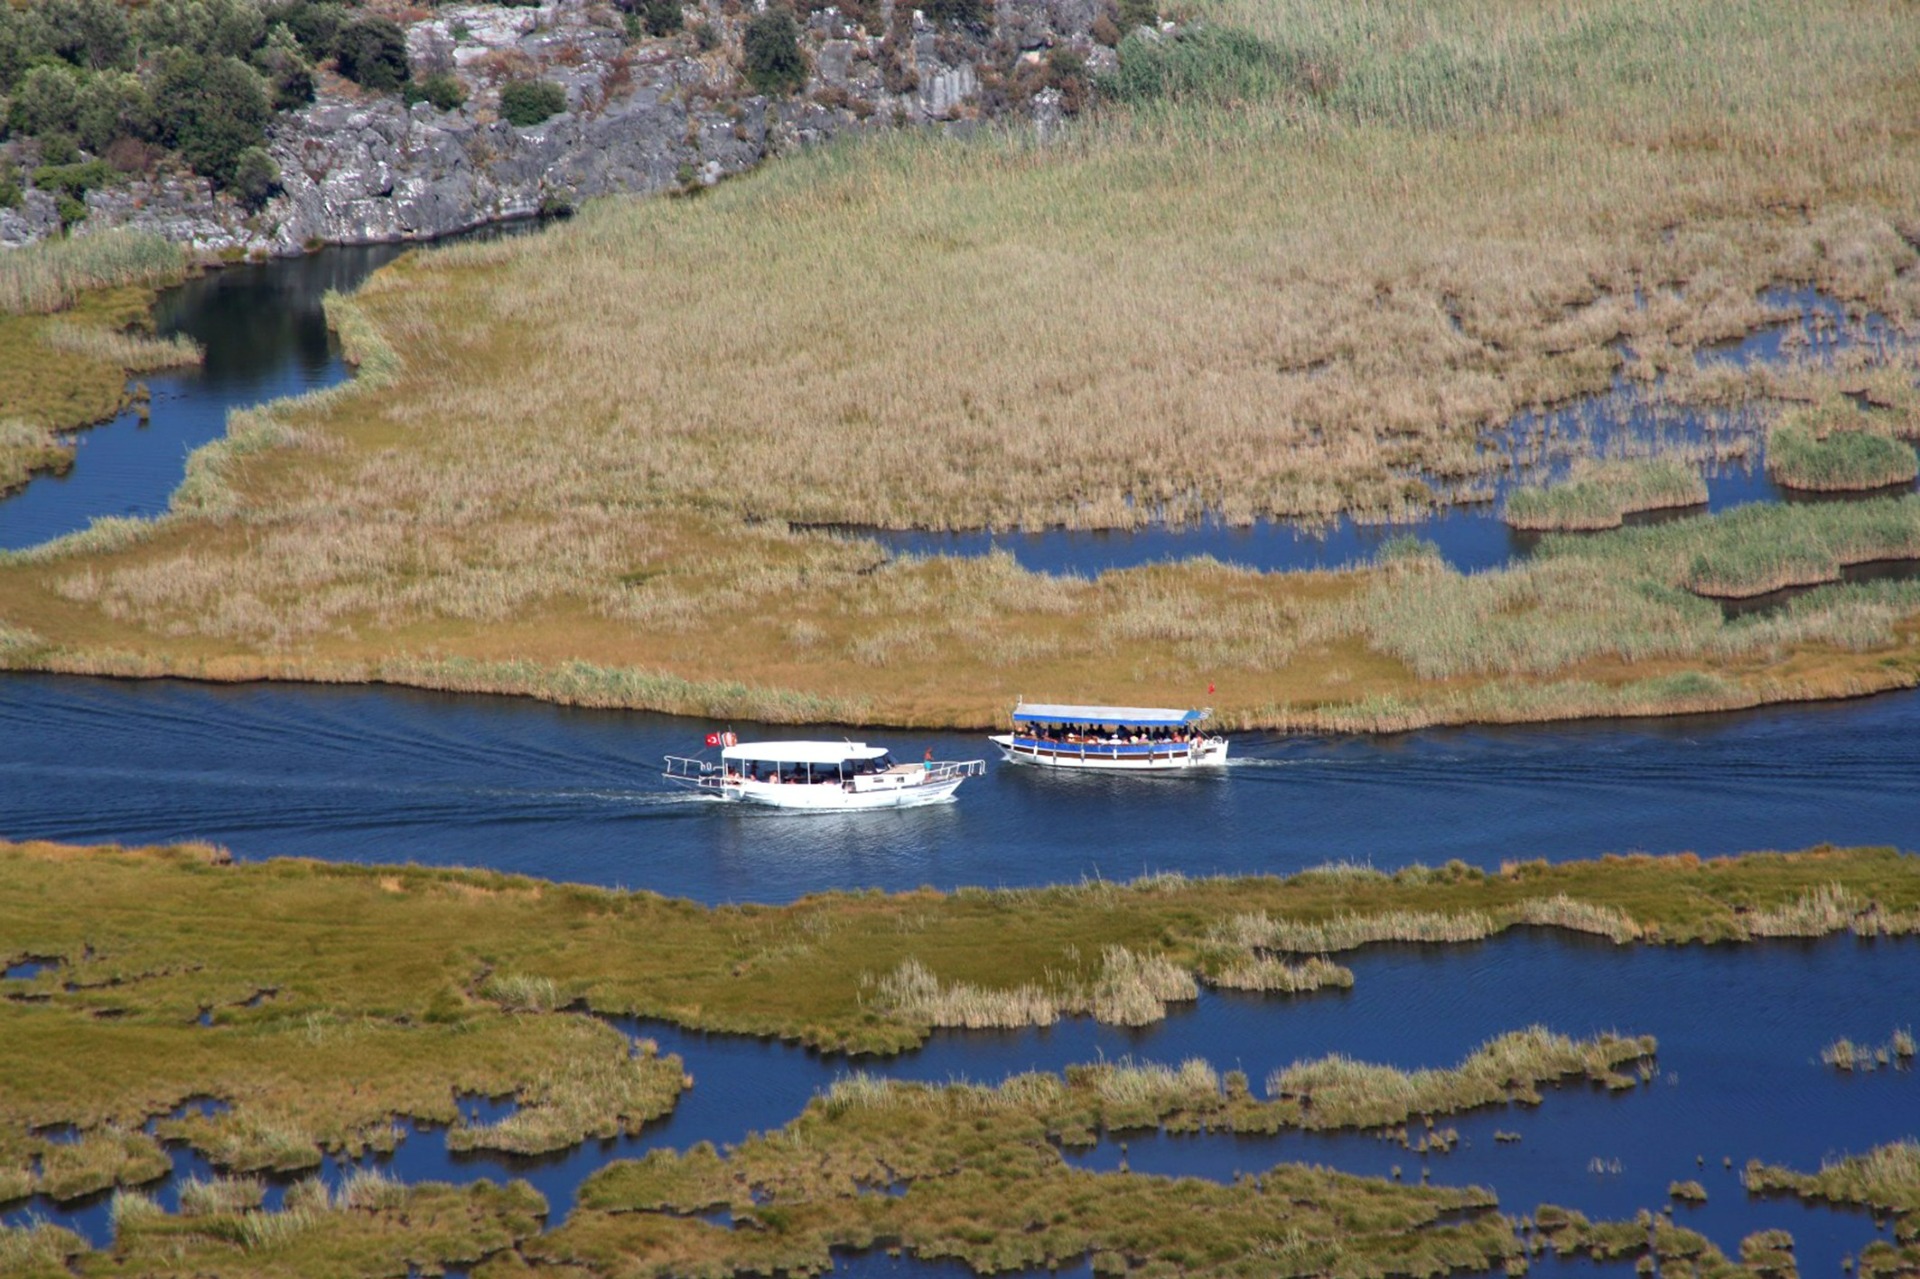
657,116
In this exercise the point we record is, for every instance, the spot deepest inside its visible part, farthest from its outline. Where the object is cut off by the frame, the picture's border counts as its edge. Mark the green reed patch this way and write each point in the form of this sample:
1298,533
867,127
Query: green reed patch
1601,495
51,274
1801,457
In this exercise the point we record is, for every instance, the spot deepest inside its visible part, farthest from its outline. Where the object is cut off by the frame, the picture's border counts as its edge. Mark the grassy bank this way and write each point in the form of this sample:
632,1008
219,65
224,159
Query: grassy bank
1284,288
334,997
26,450
72,319
1602,495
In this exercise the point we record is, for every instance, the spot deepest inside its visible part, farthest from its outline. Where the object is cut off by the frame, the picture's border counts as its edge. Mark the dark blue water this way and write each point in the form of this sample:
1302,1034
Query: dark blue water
388,775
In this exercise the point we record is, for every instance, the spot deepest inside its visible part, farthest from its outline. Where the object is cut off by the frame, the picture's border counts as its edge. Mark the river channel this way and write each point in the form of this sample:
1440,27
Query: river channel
390,775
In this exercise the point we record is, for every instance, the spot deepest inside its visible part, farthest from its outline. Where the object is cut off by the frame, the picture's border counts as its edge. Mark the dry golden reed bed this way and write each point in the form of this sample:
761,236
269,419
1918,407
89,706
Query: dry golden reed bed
572,461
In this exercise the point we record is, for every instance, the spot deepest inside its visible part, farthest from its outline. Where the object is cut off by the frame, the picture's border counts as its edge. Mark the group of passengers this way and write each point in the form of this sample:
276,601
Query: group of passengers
1111,735
797,774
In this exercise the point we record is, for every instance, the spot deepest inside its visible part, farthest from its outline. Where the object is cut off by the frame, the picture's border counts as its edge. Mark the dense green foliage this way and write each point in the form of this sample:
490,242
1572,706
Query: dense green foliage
528,102
775,64
442,90
211,110
198,78
1206,64
655,17
372,52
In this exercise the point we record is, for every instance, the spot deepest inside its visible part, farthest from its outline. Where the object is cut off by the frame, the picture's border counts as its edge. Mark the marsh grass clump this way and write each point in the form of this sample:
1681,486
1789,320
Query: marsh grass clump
1845,1055
1687,1192
51,274
1562,911
101,1159
220,1195
369,1190
1830,908
1886,1178
1338,1092
38,1248
1350,931
522,993
598,1096
1599,495
134,352
1801,455
913,993
26,448
1267,973
1135,989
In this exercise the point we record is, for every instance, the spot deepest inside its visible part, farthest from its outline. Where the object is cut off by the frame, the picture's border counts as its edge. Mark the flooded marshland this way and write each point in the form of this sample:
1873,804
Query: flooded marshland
382,775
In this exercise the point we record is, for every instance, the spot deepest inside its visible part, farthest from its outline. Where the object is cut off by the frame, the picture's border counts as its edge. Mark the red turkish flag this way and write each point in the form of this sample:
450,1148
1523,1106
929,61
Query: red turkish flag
713,739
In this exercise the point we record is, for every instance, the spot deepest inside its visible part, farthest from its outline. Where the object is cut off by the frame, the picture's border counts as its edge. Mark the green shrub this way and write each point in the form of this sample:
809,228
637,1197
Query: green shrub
705,38
211,110
314,27
775,64
255,177
528,102
965,13
46,101
1135,14
656,17
1215,64
283,61
93,34
210,28
440,89
73,179
58,148
110,106
11,196
373,54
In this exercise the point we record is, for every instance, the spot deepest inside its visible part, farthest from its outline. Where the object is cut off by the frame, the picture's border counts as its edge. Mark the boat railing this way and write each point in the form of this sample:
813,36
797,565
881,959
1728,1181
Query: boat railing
682,768
953,770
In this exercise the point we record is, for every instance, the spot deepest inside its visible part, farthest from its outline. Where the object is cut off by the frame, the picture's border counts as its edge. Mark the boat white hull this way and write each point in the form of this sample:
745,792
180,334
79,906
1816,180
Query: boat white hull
830,798
1120,758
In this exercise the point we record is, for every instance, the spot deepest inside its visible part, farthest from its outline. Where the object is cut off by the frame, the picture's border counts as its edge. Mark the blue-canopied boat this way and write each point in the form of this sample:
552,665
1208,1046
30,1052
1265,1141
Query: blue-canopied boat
1123,738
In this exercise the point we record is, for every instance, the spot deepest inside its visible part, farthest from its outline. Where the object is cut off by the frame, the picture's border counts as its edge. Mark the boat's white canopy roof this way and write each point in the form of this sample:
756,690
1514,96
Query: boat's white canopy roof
802,752
1131,716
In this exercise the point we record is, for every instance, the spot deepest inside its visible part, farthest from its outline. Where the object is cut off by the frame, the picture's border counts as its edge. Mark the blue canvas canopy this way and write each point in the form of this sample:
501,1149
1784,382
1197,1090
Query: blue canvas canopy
1122,716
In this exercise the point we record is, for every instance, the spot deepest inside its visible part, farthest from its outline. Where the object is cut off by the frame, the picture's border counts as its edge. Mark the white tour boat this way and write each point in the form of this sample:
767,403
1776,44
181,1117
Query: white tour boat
822,777
1133,739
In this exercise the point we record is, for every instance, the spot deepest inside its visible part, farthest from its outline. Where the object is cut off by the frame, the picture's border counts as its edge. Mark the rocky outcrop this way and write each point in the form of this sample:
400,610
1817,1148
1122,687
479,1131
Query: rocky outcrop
646,116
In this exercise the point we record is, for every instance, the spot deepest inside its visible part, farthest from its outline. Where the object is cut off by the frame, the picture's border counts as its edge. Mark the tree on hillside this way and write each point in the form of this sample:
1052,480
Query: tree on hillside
210,110
373,54
775,63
